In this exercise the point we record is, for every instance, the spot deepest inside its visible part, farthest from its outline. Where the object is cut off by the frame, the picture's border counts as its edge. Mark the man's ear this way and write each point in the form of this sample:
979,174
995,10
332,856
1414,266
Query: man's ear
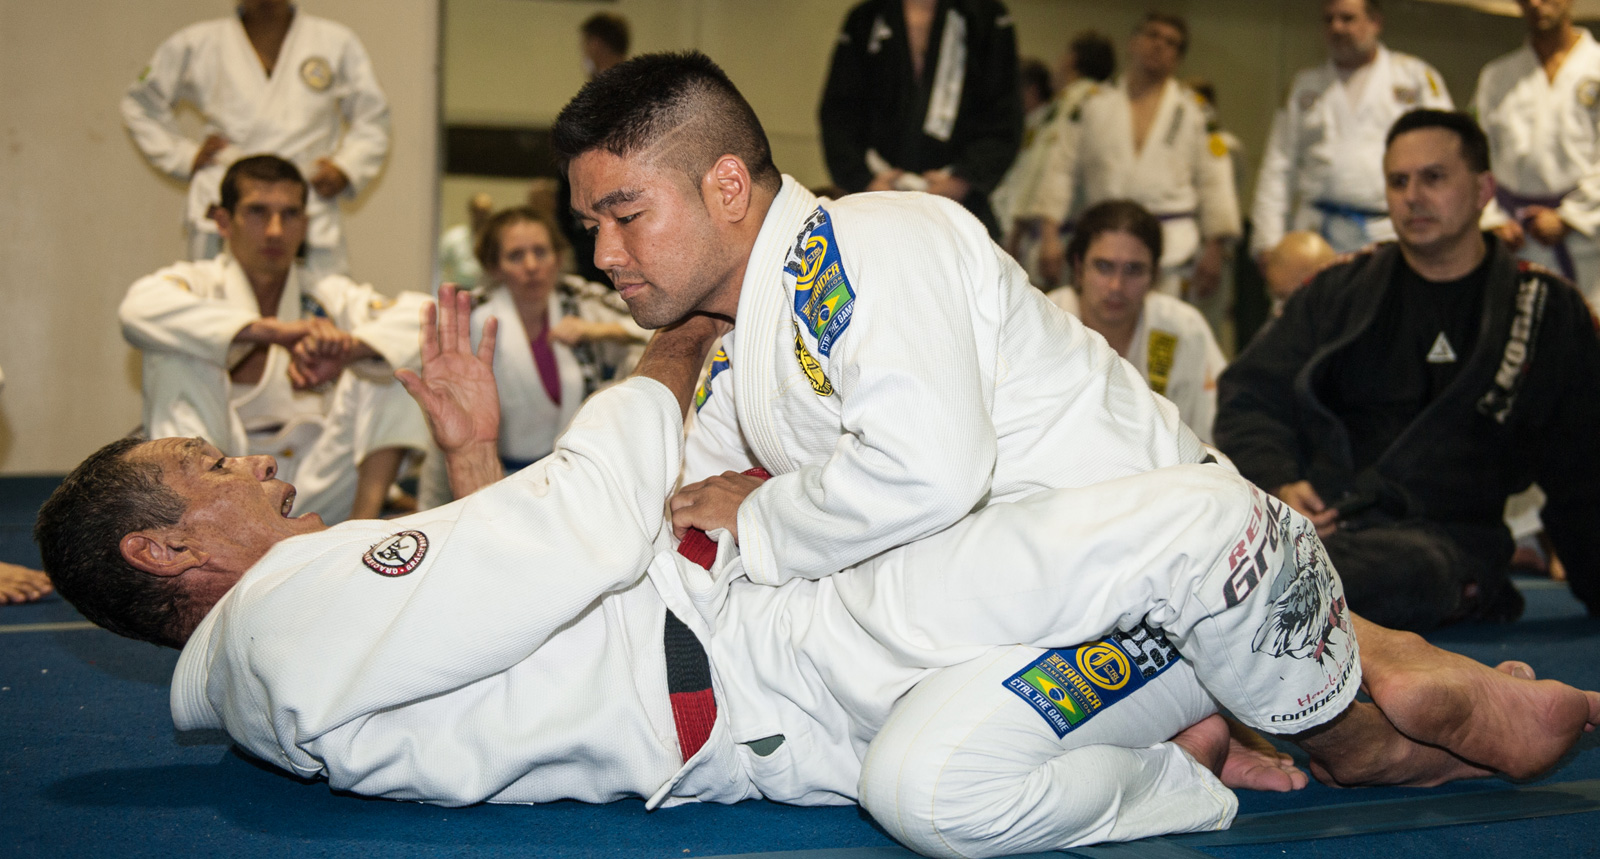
1486,189
223,219
158,554
728,183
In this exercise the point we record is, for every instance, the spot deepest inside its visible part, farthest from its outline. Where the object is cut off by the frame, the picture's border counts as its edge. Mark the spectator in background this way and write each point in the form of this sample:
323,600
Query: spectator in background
604,40
1032,200
1406,392
1539,106
1322,167
254,354
267,79
923,95
561,338
1144,139
458,261
1292,263
1113,256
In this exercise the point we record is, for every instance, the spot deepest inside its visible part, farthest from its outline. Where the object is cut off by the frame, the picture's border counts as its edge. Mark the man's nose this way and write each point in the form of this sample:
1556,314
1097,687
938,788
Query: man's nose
608,250
263,466
275,225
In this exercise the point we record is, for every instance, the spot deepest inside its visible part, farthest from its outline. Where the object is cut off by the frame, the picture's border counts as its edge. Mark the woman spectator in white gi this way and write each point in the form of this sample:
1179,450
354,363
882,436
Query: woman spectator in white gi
561,337
1114,257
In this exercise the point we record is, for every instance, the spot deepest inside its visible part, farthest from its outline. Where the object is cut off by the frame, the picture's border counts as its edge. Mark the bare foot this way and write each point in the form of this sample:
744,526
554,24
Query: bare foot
1206,741
1499,719
1517,669
1362,748
1253,763
20,584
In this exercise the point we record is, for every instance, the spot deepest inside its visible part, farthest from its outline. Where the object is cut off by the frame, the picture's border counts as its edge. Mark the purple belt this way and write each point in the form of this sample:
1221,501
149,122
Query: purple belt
1517,206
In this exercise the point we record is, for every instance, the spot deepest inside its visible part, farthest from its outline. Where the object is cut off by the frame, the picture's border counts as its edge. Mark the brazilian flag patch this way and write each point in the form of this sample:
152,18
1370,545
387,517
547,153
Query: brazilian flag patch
1070,687
824,300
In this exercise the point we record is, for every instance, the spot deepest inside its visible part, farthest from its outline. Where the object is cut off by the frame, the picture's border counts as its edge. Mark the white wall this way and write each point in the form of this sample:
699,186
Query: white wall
82,215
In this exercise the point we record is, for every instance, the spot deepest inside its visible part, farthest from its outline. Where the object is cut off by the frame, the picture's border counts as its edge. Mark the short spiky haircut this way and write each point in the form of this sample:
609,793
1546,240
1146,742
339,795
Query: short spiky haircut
638,104
80,530
1474,143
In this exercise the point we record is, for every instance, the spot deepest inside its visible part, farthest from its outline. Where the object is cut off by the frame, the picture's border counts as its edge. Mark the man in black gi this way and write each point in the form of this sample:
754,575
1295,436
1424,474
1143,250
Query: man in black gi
924,95
1410,388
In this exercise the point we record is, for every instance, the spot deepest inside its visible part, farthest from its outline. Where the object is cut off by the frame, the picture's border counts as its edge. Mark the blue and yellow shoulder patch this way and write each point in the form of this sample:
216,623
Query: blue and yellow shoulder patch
824,300
310,307
1070,687
719,362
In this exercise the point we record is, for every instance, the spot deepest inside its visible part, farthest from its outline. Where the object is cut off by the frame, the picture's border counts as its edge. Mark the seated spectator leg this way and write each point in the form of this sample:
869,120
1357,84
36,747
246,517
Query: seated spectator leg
1416,578
966,767
365,419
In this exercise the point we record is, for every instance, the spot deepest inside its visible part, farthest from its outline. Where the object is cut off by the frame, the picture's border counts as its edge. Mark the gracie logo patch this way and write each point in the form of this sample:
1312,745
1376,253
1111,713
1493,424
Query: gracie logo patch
398,554
317,74
1068,687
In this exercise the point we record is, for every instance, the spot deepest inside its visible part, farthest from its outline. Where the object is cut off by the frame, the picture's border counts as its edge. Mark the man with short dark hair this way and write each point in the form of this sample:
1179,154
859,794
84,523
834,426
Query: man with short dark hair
451,656
605,42
923,95
1406,392
256,355
1146,138
1321,167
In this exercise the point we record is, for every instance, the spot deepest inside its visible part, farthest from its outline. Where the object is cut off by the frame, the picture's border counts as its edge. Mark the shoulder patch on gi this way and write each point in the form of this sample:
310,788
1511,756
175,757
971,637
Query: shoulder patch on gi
719,363
397,555
1407,95
810,366
824,300
1218,145
317,74
1163,346
1070,687
1588,92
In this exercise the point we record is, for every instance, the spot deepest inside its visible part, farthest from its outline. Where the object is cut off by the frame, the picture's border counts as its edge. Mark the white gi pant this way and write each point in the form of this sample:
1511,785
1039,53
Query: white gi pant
1238,584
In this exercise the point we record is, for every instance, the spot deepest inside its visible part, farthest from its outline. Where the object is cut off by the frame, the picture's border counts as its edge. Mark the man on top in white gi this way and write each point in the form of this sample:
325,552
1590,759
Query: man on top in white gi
1321,168
540,640
268,79
1540,106
1144,138
254,354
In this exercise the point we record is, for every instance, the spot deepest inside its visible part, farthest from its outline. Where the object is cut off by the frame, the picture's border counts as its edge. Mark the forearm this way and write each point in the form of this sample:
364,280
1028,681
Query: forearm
473,467
676,354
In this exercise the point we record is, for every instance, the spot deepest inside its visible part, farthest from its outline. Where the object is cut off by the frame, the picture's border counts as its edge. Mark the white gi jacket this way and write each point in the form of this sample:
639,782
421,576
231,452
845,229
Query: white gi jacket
183,320
1039,184
498,649
912,376
1174,350
1324,149
529,421
1544,141
322,78
1183,175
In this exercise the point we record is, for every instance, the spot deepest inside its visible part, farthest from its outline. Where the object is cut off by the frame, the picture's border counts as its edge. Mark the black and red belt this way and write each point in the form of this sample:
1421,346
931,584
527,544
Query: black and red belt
694,709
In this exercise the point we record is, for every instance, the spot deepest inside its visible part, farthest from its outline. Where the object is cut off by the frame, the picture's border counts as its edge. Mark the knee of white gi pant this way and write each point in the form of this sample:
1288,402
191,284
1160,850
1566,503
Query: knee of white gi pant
382,415
1267,629
964,767
969,806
